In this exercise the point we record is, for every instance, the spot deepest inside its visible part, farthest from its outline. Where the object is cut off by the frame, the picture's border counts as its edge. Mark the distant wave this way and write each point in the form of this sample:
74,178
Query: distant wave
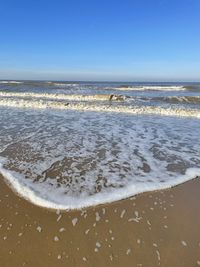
61,84
172,99
150,88
179,99
10,82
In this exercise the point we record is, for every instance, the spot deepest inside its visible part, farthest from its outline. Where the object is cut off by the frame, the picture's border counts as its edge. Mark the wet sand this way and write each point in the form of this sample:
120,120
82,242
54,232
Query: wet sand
152,229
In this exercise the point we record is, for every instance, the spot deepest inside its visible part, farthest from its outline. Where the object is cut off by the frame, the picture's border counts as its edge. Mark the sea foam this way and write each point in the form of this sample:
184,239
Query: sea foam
132,109
39,197
152,88
10,82
70,160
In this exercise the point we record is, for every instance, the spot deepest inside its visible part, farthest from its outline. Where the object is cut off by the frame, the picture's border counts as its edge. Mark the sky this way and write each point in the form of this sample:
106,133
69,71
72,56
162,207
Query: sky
102,40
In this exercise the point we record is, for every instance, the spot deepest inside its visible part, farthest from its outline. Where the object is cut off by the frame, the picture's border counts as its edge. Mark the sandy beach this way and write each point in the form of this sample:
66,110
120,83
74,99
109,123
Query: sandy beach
152,229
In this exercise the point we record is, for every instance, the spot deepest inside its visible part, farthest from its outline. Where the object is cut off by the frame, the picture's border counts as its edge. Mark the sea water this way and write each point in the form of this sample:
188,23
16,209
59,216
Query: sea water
73,145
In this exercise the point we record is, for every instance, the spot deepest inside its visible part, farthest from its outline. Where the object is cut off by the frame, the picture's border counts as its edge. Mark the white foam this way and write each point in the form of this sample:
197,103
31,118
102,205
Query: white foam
97,216
151,88
184,243
29,191
128,251
39,229
56,239
155,110
98,244
64,84
11,82
74,221
72,97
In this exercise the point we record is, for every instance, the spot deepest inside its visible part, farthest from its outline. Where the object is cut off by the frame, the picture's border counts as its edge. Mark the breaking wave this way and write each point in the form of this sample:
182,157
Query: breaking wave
131,109
72,97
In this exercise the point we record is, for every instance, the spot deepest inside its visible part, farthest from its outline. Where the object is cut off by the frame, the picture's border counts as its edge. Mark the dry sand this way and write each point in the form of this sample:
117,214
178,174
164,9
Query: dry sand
152,229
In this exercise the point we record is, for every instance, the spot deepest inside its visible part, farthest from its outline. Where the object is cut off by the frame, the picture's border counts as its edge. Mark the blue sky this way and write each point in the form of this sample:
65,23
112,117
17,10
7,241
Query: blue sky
150,40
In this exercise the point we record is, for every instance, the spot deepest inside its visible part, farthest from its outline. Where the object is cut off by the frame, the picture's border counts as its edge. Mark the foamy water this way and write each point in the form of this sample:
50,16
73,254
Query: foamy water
152,87
10,82
61,149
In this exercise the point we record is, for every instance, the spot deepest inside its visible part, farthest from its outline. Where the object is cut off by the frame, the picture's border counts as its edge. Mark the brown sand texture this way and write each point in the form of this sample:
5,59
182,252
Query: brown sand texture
152,229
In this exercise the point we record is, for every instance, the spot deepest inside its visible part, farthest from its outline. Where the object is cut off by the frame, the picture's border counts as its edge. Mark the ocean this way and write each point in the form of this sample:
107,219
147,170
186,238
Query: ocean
70,145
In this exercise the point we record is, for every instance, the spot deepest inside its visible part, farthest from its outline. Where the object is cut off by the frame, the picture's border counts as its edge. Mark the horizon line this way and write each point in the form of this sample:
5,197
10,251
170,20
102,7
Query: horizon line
99,81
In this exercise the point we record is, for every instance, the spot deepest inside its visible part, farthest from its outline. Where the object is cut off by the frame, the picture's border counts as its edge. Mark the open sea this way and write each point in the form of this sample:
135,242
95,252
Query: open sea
69,145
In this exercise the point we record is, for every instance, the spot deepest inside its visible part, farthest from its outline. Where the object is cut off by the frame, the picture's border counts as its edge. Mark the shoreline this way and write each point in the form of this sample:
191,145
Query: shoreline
24,189
24,197
159,228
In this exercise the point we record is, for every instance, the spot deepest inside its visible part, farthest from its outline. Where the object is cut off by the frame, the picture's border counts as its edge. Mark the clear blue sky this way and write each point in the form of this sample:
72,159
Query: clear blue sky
100,40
